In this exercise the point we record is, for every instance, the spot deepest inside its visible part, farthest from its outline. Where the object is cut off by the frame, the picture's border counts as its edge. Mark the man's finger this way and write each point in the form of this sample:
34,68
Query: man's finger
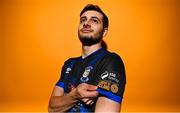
92,103
91,87
89,102
89,93
85,100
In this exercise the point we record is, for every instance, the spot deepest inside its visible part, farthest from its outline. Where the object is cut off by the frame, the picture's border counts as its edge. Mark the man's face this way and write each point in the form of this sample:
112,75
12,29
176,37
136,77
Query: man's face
90,29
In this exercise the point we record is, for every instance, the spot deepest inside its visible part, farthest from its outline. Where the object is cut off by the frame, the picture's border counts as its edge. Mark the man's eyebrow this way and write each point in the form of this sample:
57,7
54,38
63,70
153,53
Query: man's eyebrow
96,18
82,17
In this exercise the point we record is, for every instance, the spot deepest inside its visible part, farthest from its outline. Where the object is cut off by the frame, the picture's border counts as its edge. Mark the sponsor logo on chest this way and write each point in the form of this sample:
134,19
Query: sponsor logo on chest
109,76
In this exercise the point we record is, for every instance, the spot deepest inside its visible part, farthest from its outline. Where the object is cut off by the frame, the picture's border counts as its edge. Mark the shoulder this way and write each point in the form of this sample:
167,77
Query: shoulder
71,61
113,58
113,62
114,55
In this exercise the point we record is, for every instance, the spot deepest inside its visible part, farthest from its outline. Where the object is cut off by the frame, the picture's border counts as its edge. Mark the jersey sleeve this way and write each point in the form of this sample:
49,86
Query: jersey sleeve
61,81
111,78
66,69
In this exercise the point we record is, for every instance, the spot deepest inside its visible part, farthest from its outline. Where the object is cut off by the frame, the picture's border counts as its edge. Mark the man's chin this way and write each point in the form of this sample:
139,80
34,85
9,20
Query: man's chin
88,41
86,35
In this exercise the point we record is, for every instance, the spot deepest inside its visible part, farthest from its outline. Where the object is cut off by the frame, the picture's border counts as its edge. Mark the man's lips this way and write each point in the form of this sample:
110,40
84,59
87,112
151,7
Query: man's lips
86,30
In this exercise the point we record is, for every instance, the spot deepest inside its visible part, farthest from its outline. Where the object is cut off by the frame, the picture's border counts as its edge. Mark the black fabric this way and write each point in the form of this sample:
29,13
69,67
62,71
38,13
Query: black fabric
102,68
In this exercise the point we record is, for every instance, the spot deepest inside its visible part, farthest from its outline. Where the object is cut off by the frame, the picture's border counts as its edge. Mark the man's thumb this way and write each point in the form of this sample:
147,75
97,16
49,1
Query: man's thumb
91,87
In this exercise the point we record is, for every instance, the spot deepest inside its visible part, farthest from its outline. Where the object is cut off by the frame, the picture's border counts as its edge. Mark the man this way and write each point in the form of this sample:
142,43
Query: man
95,81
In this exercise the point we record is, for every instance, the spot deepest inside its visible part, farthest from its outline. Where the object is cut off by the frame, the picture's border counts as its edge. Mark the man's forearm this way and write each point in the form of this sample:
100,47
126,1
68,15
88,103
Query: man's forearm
83,92
62,103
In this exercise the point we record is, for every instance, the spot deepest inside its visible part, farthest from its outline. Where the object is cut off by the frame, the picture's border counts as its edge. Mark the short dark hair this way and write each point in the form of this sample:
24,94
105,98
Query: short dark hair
98,9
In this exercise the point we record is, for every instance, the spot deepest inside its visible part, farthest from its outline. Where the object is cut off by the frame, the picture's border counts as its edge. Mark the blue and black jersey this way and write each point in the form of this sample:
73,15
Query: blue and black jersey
101,68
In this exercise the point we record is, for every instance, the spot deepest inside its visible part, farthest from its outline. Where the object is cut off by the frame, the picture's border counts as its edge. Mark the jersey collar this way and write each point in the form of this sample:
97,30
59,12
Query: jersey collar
93,53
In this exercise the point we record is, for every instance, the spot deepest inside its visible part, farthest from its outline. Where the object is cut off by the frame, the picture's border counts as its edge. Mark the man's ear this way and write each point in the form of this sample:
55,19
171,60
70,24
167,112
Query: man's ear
105,32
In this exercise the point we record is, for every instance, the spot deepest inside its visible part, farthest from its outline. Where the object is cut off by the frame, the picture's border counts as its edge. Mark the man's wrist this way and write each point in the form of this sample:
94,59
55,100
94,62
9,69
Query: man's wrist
74,95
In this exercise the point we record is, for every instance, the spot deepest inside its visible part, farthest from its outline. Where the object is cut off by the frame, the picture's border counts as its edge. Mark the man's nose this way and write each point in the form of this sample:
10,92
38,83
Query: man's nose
87,24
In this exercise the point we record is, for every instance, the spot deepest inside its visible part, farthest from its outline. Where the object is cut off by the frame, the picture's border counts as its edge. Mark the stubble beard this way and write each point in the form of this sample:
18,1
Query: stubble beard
90,40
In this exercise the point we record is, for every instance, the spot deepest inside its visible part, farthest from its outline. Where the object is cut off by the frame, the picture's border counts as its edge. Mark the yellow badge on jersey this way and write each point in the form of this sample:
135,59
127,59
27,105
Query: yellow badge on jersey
104,85
114,88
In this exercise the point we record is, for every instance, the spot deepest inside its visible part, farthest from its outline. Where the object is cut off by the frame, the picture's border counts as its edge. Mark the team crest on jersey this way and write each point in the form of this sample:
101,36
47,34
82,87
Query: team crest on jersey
85,75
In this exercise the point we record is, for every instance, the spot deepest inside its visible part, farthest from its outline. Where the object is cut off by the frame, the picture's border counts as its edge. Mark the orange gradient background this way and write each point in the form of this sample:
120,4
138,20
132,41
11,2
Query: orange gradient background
37,36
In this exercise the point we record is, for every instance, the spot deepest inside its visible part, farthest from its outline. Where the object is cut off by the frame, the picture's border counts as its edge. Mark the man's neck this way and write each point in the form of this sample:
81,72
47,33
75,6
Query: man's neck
87,50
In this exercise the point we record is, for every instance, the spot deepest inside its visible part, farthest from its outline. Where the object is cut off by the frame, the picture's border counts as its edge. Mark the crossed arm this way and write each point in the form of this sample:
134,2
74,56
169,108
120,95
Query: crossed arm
60,102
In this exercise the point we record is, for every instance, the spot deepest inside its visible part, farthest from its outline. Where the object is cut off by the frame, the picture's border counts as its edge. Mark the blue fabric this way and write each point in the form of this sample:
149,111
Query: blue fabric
70,65
60,84
109,95
97,58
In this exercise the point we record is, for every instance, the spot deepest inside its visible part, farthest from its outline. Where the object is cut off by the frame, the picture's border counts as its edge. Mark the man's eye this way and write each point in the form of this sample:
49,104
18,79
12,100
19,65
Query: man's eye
82,20
95,21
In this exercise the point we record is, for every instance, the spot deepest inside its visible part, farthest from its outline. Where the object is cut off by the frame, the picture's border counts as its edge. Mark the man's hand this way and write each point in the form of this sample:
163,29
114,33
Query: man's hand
88,101
86,93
